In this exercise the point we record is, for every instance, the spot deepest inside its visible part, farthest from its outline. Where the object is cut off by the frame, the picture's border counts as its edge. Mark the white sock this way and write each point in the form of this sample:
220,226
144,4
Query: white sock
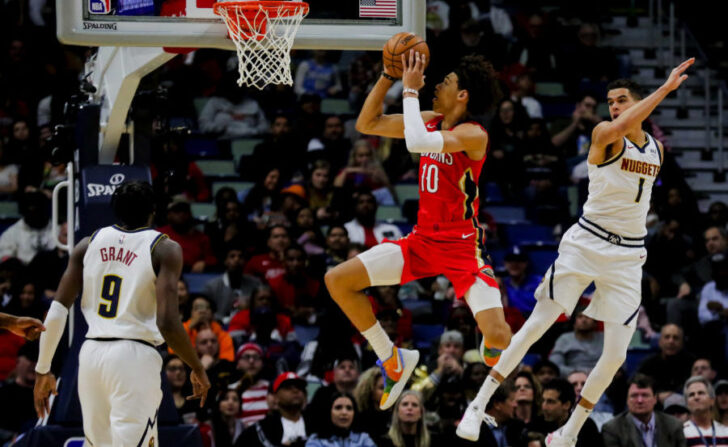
575,422
380,341
486,392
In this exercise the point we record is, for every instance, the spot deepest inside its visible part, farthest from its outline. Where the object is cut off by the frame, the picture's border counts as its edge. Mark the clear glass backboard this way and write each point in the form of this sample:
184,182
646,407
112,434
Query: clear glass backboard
331,24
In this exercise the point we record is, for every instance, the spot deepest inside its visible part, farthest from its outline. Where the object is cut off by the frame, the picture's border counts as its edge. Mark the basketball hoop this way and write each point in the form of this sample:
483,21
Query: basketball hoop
263,33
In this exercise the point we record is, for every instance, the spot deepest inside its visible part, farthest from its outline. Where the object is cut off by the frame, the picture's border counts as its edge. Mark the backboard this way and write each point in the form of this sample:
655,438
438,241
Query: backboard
331,24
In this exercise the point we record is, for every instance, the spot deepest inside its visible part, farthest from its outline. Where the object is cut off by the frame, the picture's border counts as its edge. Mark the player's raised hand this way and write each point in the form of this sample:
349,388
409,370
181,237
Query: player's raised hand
45,385
677,75
200,386
413,72
29,328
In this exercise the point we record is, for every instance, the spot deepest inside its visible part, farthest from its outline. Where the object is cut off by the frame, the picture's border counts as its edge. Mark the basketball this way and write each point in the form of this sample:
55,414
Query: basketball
398,45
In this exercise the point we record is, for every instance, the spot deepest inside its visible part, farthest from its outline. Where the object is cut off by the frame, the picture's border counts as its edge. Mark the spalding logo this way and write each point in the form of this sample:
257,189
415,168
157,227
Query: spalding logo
98,189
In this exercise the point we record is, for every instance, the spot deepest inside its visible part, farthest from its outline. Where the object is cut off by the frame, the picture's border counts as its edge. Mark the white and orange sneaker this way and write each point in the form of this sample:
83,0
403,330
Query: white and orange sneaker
396,371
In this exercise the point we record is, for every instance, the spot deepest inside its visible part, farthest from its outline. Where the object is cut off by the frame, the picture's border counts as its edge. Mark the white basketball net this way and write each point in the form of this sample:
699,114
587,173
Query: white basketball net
263,36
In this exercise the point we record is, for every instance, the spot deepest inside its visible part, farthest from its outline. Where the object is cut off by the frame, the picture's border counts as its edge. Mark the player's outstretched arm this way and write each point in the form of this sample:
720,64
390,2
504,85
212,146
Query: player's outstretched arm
467,137
167,259
29,328
607,132
55,323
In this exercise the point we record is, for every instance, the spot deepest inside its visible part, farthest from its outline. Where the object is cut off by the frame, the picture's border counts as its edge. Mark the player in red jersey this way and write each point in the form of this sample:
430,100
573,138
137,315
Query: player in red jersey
447,238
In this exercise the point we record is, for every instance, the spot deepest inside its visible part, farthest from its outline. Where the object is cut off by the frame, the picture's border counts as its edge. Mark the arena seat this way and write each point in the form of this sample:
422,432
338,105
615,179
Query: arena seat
635,357
426,335
217,168
196,281
521,234
199,147
407,191
305,334
9,210
335,106
243,147
507,214
418,308
541,260
239,187
203,211
389,214
492,193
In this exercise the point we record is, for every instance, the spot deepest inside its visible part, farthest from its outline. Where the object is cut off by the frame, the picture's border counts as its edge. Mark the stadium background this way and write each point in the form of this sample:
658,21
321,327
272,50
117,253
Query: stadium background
261,172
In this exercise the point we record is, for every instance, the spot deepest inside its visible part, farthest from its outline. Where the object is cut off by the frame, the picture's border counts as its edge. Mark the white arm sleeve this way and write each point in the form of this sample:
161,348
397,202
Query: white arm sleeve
418,139
54,323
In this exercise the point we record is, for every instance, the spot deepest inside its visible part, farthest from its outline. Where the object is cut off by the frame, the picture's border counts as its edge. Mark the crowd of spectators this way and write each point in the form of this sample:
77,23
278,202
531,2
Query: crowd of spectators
285,364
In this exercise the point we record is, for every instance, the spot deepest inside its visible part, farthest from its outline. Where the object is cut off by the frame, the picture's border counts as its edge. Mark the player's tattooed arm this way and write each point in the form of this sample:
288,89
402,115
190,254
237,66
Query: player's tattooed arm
608,132
167,260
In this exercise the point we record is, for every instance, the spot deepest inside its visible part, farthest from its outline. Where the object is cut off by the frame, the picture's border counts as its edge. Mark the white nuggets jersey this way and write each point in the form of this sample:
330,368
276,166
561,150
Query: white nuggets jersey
119,295
620,189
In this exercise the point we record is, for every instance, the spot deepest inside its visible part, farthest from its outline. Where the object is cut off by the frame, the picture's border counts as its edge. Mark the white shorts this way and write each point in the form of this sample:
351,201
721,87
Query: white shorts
616,272
119,386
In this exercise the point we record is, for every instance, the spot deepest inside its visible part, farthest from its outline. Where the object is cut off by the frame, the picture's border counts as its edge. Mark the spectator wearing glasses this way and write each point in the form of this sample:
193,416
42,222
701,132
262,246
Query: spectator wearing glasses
252,385
181,387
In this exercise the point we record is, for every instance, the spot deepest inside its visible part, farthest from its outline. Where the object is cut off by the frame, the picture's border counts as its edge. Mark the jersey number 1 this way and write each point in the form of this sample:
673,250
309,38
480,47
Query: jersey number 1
110,291
639,190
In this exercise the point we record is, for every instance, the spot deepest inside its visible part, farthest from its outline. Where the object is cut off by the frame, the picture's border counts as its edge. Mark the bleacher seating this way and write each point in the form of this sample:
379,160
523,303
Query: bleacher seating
407,191
217,168
426,335
243,147
9,210
203,211
524,234
335,106
240,187
389,213
196,281
507,214
541,260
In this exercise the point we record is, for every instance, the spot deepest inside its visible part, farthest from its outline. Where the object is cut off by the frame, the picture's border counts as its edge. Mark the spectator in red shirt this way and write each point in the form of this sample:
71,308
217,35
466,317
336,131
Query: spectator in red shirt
196,250
296,289
262,297
268,265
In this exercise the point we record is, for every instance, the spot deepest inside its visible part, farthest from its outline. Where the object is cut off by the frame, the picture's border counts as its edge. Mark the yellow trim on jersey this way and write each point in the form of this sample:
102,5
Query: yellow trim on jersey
159,239
478,238
107,306
468,173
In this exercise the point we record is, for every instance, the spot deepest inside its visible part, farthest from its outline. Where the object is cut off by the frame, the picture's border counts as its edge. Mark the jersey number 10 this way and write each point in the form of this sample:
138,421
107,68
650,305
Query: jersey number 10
429,180
110,291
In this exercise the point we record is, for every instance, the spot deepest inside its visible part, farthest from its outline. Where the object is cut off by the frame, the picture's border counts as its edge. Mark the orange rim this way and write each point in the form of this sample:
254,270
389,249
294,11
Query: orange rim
273,8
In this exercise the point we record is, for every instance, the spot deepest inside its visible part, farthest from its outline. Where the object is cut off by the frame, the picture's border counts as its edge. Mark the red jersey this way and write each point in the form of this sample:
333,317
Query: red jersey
448,184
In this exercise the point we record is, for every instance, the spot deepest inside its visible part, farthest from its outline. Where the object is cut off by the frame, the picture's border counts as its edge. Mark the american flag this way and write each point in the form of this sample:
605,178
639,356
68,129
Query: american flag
377,8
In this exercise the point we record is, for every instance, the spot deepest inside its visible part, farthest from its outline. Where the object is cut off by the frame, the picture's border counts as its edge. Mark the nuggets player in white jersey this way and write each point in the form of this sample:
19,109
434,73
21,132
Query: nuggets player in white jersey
129,275
606,246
